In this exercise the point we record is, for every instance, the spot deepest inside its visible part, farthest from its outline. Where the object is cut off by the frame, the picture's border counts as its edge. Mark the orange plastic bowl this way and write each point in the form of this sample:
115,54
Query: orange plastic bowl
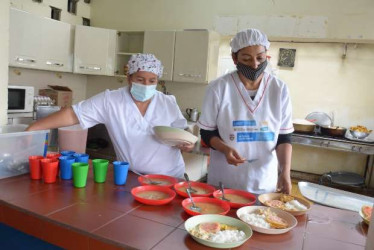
183,185
170,194
218,194
157,177
222,205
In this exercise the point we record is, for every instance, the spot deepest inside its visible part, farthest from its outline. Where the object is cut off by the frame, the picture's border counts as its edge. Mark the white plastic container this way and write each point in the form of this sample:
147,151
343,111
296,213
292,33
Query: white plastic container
16,145
72,138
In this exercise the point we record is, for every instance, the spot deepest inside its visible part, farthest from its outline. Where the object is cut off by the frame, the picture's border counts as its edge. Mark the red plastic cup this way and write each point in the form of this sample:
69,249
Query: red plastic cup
35,167
49,167
54,155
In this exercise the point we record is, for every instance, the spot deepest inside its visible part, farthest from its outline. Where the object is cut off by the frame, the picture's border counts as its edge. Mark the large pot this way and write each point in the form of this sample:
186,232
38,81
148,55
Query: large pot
333,131
303,126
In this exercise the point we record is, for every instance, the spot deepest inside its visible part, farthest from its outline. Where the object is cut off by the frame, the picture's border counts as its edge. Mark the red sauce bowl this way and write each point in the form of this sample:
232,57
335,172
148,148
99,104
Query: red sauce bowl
136,190
217,194
209,189
143,181
186,203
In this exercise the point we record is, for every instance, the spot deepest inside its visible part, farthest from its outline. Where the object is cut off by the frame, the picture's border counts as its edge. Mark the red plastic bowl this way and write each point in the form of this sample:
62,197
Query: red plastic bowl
143,181
186,203
209,189
136,190
217,194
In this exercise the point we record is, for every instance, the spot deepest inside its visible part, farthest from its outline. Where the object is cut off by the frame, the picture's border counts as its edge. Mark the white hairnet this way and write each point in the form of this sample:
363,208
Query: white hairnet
247,38
145,62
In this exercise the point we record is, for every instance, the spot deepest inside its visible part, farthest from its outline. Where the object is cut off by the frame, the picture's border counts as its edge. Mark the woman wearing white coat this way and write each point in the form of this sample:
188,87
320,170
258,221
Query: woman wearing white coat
129,114
247,121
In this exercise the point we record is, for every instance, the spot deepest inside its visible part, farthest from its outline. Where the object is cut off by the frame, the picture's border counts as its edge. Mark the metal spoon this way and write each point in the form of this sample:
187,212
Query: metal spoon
189,184
150,181
193,207
223,192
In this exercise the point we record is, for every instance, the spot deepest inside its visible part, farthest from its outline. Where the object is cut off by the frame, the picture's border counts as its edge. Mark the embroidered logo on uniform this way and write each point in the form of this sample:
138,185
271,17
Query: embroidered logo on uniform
232,137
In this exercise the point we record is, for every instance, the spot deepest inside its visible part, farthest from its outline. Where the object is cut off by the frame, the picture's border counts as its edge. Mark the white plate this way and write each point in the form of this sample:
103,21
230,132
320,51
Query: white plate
291,220
174,136
195,220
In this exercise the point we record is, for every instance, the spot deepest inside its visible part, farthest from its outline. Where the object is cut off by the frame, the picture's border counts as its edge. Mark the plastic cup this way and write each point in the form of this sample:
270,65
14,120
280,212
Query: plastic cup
35,167
120,172
81,157
80,172
53,155
49,167
66,172
67,153
100,168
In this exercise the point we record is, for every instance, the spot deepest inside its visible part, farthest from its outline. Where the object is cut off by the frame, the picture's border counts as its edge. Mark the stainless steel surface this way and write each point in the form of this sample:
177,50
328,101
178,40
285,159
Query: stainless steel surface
150,181
223,192
193,207
189,184
359,135
334,197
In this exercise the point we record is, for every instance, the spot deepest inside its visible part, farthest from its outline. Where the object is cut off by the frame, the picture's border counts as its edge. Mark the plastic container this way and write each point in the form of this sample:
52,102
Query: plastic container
16,146
72,138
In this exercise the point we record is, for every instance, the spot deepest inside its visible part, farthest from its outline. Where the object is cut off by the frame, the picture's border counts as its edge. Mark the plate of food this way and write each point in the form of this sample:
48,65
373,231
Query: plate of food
174,136
292,204
206,205
198,189
267,220
218,231
153,195
157,180
365,213
237,198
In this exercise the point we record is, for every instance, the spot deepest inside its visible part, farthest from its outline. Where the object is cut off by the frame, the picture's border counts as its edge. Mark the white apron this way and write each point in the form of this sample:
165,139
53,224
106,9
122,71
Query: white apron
251,127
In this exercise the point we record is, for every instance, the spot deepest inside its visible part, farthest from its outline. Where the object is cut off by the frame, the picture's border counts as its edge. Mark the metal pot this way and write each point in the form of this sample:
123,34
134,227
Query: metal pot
333,131
301,125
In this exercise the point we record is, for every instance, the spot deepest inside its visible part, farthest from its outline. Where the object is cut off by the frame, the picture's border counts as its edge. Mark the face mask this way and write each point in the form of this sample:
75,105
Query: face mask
250,73
142,92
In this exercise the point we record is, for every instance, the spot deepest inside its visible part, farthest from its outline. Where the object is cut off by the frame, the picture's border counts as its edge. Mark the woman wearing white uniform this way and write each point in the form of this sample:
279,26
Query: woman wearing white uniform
129,115
247,121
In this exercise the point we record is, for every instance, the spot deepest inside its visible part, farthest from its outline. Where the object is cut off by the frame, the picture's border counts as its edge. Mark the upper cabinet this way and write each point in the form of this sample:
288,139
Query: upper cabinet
94,50
196,56
40,43
161,44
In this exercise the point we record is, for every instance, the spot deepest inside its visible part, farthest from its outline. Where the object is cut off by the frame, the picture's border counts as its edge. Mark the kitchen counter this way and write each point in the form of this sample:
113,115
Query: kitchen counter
105,216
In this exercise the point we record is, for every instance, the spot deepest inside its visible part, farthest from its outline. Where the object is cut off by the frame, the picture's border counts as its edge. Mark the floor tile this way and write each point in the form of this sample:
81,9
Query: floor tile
135,232
313,242
319,213
95,244
85,216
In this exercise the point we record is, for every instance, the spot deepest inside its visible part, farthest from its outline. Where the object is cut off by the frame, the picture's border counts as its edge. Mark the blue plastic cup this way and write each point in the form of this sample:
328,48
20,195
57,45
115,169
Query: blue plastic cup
81,157
121,169
67,153
66,172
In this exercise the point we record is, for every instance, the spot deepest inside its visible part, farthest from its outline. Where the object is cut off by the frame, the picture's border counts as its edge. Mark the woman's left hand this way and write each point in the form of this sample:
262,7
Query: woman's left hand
284,183
186,147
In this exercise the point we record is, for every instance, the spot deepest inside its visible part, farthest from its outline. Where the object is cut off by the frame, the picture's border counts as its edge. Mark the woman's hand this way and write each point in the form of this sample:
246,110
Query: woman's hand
233,157
186,147
284,183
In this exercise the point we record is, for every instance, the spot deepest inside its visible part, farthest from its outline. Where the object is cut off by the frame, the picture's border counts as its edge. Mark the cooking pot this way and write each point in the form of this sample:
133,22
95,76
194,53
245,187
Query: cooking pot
333,131
304,126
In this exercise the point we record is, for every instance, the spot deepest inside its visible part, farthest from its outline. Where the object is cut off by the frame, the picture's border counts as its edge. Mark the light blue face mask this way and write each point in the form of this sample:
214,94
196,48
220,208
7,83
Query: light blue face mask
142,92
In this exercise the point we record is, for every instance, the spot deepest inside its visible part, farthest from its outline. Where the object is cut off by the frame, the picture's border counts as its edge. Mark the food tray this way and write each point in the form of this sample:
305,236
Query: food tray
334,197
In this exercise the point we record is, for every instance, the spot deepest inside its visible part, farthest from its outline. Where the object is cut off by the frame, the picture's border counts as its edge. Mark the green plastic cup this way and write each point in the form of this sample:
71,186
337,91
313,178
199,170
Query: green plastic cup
80,172
100,168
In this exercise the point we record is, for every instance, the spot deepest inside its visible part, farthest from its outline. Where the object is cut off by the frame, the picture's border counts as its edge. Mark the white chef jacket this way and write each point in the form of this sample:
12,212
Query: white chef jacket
132,134
250,126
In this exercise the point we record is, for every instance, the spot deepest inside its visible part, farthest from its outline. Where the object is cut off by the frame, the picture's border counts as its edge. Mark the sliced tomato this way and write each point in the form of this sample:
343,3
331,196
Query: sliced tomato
367,210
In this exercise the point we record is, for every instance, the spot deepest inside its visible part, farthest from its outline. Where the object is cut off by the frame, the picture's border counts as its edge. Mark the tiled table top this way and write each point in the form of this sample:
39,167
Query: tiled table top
106,216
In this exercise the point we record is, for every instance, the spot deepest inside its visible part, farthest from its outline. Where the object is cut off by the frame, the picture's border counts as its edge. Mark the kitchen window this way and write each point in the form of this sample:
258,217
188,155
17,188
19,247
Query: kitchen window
86,21
72,6
55,13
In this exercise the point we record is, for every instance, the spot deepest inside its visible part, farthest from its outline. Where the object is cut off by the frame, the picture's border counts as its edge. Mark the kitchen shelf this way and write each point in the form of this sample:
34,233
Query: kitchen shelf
127,53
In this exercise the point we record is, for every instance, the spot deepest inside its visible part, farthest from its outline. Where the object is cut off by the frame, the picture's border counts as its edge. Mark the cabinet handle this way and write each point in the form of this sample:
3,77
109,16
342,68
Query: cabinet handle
90,67
54,64
25,60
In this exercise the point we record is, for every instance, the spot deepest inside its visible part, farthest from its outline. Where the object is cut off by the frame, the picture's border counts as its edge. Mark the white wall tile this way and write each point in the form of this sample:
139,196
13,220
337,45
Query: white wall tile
83,9
70,18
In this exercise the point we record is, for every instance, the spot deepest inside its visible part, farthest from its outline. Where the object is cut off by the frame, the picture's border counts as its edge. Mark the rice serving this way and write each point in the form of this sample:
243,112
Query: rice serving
294,205
228,236
217,232
258,220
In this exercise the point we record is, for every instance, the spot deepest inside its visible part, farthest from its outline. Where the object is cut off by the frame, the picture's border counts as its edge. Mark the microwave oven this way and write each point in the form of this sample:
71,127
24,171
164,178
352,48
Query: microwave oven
20,99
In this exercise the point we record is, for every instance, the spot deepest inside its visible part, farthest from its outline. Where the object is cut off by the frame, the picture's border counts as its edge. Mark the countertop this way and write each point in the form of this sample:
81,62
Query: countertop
105,216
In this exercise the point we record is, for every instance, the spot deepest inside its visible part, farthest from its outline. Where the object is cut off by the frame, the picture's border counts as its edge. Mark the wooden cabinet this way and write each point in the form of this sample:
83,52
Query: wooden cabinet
161,44
40,43
196,56
94,50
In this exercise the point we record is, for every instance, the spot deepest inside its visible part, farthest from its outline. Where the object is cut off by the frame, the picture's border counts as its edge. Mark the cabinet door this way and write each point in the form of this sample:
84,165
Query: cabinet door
161,44
57,45
94,50
24,39
191,56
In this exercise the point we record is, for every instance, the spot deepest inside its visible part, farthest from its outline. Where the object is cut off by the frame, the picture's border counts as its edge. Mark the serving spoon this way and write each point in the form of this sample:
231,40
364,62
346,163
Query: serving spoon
150,181
193,207
189,184
223,192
